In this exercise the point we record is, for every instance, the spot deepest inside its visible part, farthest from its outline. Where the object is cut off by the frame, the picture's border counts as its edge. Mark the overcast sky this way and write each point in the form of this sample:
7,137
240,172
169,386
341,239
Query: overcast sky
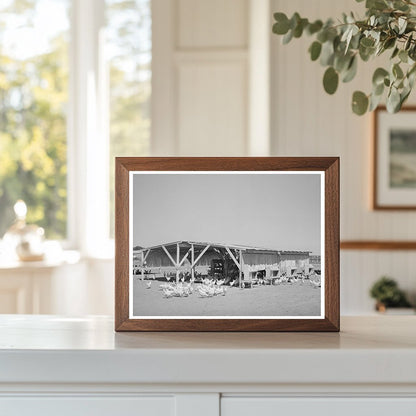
278,211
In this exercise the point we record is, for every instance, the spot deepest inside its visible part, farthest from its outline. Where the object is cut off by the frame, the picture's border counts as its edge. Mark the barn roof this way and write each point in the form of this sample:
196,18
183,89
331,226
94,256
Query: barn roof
224,245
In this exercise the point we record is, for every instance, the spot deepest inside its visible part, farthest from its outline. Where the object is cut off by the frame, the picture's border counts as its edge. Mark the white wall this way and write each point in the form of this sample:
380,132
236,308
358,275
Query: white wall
201,83
308,122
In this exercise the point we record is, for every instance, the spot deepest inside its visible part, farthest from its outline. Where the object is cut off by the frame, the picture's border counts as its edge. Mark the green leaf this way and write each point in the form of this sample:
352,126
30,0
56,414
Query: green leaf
412,52
393,101
412,70
294,20
322,36
397,71
288,37
404,95
366,53
351,71
378,89
379,75
341,61
332,33
359,103
330,80
327,53
403,56
281,27
395,52
400,5
399,85
348,34
367,42
376,4
355,41
389,43
315,50
366,48
408,42
336,42
374,101
314,27
411,76
298,30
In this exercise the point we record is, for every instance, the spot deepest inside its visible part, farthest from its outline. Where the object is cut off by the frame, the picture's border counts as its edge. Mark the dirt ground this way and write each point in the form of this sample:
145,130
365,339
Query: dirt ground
297,299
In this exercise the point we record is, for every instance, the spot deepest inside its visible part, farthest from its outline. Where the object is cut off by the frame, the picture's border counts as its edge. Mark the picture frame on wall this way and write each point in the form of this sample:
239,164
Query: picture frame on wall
394,151
227,244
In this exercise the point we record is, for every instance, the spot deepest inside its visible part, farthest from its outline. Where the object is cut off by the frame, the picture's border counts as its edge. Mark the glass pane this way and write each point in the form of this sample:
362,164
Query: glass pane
33,101
129,51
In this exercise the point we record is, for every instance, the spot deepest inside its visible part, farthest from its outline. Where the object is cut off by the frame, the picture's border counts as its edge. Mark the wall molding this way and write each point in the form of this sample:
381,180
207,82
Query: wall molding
377,245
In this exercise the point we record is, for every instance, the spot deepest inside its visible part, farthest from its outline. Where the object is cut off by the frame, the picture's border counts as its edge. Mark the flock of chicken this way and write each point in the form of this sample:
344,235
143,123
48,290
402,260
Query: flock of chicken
314,279
207,289
210,288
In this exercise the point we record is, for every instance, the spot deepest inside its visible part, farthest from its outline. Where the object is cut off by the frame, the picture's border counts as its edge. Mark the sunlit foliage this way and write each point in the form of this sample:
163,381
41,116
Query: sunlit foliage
33,100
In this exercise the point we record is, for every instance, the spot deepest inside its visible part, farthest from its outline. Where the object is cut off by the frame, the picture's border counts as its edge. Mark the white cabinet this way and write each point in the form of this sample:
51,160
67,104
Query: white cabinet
87,406
268,406
51,365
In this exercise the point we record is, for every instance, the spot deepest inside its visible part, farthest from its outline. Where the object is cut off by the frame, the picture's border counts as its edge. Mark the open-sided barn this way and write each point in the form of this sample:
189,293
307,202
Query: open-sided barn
225,261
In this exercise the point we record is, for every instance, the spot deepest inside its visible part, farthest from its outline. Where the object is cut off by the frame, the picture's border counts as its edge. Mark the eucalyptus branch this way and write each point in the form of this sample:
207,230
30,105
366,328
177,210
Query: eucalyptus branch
389,25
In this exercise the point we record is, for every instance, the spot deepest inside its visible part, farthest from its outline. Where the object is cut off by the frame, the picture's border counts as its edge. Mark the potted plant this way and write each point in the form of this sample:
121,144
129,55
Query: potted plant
389,27
387,294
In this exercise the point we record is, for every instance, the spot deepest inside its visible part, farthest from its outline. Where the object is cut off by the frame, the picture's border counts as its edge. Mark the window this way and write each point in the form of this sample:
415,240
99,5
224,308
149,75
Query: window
75,87
33,97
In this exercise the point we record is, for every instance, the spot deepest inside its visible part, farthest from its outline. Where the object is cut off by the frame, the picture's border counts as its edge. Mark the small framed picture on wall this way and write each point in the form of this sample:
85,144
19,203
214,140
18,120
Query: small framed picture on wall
394,178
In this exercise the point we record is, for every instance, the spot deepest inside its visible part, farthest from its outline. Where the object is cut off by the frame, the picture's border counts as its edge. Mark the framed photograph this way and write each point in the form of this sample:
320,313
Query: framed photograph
394,159
227,244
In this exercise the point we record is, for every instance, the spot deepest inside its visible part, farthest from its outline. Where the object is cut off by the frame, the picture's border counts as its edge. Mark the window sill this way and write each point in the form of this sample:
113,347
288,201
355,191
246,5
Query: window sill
50,261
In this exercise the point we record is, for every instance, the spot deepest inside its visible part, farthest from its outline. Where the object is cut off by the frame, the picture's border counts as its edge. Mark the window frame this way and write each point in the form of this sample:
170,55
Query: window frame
87,132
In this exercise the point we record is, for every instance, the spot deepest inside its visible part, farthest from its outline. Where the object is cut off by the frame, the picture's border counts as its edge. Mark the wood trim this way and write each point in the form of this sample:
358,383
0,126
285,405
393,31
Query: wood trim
375,204
378,245
121,245
332,254
329,165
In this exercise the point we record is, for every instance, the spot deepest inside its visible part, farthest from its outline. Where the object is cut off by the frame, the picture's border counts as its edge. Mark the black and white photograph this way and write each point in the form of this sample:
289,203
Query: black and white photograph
226,245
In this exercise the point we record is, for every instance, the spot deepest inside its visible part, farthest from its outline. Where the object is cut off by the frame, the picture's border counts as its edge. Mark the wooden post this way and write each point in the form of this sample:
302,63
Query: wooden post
142,269
240,268
177,262
192,263
170,257
201,254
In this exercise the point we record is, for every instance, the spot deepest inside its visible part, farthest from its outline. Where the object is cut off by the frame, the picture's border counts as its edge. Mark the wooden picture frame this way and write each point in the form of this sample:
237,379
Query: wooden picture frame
256,168
391,177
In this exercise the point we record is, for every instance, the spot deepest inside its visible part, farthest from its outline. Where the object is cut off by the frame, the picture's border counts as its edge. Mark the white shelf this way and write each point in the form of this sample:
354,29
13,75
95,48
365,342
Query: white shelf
52,349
